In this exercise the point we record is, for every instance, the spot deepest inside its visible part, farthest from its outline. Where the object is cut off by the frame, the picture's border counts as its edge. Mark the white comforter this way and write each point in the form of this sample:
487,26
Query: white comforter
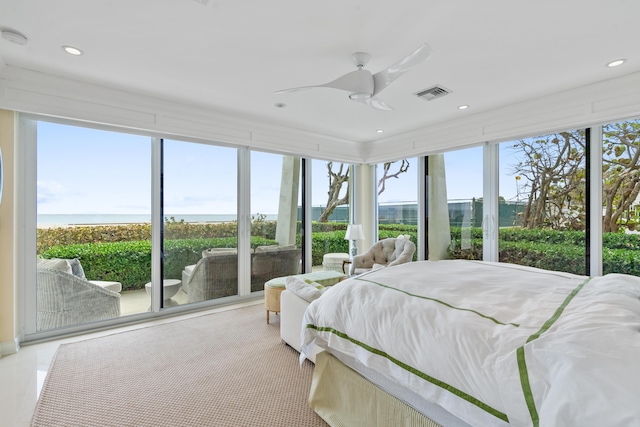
493,343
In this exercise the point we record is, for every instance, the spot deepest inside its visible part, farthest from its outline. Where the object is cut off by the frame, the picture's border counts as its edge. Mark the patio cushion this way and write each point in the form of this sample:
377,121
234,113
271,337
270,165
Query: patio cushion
218,251
76,268
55,264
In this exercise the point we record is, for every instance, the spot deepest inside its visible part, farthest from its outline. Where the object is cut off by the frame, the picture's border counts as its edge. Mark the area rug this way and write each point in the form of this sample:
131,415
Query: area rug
222,369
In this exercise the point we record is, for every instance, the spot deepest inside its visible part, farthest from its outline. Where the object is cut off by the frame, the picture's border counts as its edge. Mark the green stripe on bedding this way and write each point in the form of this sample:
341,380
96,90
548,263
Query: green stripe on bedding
496,321
416,372
520,354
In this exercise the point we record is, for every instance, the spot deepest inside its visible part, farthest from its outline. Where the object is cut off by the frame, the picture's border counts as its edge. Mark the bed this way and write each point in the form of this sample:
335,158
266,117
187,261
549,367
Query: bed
473,343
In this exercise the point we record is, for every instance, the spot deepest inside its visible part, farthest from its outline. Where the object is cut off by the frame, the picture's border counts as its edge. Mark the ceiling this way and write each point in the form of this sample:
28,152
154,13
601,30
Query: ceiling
232,55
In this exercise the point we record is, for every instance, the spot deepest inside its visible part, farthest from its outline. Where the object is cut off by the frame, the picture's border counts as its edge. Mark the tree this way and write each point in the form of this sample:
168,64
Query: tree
340,177
621,173
336,180
554,171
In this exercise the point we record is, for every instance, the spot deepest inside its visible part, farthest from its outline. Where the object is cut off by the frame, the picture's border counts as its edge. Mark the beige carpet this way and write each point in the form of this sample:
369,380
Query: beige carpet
223,369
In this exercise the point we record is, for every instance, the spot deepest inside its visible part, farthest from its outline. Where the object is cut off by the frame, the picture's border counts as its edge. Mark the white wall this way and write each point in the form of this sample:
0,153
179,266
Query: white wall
34,92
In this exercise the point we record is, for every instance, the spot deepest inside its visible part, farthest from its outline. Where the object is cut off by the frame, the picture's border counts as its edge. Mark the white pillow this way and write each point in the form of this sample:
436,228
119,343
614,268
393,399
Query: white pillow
55,264
377,266
301,288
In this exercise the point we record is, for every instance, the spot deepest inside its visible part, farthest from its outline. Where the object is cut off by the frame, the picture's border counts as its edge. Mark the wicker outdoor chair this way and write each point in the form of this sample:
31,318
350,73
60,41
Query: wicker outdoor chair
212,277
65,299
216,275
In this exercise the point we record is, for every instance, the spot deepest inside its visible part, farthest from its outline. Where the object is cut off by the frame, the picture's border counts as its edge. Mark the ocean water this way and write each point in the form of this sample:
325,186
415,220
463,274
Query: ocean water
71,219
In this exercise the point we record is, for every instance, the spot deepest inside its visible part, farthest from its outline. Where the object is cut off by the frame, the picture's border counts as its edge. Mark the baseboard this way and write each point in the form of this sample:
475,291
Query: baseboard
9,347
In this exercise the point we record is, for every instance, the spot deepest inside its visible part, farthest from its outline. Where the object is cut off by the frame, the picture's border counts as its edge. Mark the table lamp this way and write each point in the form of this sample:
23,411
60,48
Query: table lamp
354,232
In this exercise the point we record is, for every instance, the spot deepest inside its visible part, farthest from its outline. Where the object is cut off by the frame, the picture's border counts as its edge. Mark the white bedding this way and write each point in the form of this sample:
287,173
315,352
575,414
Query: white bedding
493,343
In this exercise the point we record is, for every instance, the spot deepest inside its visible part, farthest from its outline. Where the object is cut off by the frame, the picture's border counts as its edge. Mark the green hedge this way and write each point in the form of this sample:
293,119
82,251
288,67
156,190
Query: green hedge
123,253
559,257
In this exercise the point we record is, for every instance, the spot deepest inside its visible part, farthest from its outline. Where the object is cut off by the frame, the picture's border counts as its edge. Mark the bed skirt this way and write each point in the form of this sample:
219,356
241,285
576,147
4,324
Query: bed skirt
342,397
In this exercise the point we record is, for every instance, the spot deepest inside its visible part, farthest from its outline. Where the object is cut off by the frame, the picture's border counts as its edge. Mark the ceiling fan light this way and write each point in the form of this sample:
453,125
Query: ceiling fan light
360,97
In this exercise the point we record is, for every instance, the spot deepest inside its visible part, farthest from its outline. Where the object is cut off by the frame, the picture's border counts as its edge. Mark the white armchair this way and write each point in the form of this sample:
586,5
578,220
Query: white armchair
385,253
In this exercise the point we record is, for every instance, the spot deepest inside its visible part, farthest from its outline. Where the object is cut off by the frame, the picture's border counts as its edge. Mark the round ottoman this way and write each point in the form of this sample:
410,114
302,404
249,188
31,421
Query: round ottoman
333,261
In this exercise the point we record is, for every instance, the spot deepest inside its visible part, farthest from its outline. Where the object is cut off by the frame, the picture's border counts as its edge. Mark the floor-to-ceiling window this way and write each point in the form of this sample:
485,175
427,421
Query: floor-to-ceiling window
93,224
620,197
103,197
458,199
275,229
329,213
397,192
543,202
199,201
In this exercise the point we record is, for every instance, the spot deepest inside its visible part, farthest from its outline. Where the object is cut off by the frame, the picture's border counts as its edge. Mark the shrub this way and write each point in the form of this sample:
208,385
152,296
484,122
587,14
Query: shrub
123,252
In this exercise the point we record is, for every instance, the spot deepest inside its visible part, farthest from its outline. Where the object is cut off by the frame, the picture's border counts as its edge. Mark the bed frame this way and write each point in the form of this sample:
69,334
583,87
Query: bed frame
344,397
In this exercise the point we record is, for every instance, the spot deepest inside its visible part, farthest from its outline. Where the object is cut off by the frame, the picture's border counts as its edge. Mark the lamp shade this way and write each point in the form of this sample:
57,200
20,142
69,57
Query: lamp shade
354,232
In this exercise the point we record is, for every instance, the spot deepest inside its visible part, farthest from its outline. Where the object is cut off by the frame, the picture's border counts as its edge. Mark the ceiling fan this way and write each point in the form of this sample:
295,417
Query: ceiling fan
364,86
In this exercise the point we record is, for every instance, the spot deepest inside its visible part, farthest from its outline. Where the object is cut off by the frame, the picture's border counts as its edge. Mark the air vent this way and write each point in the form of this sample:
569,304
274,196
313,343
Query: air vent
432,93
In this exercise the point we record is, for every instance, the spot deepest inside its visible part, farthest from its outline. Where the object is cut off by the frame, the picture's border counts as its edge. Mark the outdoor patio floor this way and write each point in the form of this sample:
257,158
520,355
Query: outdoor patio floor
139,301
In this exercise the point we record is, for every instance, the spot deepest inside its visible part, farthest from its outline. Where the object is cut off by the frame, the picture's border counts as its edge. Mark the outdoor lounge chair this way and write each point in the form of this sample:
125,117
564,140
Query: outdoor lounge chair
216,274
65,299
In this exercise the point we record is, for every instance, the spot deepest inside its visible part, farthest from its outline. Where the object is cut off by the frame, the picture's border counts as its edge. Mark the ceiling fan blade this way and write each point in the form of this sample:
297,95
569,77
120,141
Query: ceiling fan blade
294,89
358,81
374,102
378,104
384,78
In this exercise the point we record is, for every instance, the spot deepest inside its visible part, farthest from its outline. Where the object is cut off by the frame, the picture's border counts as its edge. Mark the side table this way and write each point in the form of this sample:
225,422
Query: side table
344,264
170,288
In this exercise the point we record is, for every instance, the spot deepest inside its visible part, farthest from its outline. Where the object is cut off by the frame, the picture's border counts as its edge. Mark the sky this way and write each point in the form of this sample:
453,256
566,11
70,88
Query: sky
89,171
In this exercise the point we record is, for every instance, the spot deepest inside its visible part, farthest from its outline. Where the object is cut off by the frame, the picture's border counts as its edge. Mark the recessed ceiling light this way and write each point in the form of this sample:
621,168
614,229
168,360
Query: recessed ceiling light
616,62
14,36
463,107
72,50
380,130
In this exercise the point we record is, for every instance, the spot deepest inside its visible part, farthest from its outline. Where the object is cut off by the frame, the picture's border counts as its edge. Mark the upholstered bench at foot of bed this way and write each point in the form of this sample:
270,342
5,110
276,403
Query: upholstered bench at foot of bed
275,286
291,315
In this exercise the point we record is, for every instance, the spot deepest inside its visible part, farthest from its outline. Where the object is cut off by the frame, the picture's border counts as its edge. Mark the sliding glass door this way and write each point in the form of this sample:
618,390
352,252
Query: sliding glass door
543,202
330,214
397,193
276,247
93,225
200,215
620,196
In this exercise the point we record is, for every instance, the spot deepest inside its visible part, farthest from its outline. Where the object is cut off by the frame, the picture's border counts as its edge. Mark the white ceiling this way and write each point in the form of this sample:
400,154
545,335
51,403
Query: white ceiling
231,55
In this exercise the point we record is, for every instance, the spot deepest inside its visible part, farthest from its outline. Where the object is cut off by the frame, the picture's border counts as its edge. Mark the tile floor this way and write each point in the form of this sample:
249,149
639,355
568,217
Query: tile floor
22,374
